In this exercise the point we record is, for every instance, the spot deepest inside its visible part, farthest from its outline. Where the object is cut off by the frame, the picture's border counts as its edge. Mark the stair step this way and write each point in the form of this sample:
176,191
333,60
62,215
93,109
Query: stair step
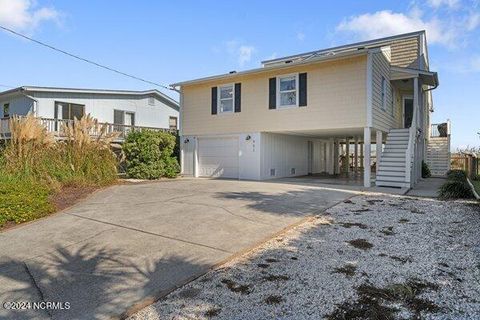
392,163
384,173
391,168
399,130
381,183
395,148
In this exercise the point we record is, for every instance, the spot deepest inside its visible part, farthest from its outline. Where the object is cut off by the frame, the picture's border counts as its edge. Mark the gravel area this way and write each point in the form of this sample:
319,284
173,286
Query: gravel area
370,257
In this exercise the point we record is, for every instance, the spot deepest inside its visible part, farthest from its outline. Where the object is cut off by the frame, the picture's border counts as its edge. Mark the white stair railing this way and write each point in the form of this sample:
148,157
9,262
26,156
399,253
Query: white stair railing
410,153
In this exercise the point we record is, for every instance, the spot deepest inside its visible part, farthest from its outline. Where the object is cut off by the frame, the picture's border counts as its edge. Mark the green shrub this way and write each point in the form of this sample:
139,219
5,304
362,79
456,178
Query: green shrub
455,189
23,200
456,186
425,170
457,175
149,155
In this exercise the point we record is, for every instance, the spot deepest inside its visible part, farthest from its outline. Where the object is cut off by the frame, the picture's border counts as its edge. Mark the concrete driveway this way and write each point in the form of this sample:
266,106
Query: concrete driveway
128,245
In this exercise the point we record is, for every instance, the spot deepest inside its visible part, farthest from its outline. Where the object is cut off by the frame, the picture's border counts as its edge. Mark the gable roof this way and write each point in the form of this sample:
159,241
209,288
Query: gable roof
161,96
329,54
353,46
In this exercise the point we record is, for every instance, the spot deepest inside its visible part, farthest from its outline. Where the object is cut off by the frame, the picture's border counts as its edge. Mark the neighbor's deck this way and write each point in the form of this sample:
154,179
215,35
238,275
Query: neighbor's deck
55,126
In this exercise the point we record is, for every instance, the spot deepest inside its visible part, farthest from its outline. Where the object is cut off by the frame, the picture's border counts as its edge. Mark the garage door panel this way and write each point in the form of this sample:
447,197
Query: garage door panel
218,157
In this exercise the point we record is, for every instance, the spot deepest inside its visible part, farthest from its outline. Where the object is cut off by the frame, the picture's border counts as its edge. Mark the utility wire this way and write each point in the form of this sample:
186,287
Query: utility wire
83,59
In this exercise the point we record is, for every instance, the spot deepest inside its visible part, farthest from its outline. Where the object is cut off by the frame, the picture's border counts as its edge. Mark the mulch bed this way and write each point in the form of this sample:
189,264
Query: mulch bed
70,195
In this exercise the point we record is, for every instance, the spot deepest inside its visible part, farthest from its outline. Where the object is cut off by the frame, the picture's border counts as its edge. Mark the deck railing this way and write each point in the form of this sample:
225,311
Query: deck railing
55,126
439,130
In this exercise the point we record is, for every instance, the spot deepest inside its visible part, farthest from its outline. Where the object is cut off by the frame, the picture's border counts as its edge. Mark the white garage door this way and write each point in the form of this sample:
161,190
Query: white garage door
218,157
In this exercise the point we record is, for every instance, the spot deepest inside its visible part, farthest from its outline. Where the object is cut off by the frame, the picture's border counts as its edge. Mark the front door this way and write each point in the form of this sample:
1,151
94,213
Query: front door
407,112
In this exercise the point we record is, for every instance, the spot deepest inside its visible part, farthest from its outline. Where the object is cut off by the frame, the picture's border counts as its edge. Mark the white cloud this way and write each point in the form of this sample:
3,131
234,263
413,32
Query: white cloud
241,52
245,54
301,36
386,23
442,3
473,21
475,64
25,14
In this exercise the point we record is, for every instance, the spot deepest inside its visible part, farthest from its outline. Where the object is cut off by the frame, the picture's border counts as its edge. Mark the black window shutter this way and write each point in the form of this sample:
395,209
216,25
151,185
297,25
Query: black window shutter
302,98
272,93
214,100
238,97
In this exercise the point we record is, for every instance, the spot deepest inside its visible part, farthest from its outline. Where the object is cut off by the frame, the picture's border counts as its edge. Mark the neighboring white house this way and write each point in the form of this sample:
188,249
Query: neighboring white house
124,108
298,115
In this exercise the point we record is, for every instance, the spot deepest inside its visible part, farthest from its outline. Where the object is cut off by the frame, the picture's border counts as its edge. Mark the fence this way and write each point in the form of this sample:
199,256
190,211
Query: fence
466,162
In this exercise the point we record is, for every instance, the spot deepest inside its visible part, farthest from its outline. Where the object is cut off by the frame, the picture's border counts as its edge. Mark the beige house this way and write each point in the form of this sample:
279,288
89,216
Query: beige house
303,114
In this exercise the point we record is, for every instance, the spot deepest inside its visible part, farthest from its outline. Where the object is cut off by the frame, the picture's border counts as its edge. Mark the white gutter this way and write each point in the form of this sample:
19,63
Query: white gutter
275,67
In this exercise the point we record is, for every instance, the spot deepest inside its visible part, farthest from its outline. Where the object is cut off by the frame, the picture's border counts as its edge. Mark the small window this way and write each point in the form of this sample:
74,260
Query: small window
126,118
6,110
173,123
384,93
151,101
226,97
287,91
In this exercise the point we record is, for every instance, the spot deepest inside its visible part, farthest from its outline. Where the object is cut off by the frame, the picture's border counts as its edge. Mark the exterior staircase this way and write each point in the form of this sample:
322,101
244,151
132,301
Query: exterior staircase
438,155
392,167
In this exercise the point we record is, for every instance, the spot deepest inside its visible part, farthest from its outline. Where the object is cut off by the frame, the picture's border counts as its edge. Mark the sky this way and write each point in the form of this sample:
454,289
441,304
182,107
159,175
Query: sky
171,41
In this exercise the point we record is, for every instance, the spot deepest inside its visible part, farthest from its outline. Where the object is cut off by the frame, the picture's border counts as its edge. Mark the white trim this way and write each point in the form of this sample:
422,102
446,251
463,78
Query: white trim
405,96
369,80
219,99
283,76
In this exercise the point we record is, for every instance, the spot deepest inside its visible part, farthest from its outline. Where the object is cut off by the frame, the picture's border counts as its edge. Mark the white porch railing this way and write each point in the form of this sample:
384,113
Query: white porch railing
55,126
410,154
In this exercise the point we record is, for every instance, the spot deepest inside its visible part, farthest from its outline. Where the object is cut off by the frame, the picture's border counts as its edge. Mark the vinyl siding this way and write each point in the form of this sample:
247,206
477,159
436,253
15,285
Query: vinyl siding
282,153
383,119
101,107
19,105
336,98
405,52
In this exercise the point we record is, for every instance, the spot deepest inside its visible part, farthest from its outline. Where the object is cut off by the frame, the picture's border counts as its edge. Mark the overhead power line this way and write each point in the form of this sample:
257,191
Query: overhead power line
83,59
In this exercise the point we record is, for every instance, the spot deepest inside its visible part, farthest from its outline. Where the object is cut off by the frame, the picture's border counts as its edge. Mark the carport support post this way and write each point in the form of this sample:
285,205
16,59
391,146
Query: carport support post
366,159
355,158
347,155
379,149
195,158
335,156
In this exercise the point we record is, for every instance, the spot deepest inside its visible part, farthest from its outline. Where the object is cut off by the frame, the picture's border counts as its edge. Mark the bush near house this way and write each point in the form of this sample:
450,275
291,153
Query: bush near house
34,167
426,173
149,155
456,186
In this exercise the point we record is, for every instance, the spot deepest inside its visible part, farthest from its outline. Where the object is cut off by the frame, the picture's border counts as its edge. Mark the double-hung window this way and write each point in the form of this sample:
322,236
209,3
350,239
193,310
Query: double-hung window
6,110
226,98
287,91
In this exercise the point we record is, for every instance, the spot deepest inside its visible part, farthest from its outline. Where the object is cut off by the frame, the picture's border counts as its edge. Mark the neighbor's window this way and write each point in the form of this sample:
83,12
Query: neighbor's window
69,111
226,98
384,93
172,123
6,110
287,91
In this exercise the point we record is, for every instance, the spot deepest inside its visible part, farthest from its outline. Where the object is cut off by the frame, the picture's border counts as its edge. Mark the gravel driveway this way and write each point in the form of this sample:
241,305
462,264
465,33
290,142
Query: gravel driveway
371,257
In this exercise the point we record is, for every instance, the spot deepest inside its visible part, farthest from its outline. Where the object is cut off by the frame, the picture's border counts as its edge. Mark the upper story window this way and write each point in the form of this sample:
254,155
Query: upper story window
151,101
226,98
173,123
384,93
6,110
287,91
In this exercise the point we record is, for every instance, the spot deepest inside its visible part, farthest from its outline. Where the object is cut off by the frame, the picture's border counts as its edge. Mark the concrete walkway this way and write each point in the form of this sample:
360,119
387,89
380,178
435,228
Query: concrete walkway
130,244
427,188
